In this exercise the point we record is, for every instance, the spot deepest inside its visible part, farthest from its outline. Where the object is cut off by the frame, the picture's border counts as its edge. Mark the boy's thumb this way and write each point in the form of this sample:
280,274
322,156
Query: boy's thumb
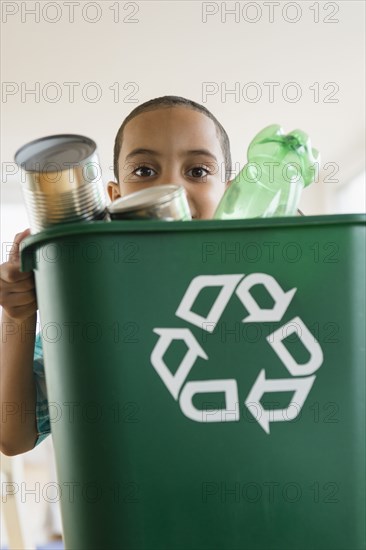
14,251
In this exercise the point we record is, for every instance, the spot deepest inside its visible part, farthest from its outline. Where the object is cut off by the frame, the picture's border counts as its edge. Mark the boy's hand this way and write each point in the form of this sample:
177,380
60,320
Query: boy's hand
17,290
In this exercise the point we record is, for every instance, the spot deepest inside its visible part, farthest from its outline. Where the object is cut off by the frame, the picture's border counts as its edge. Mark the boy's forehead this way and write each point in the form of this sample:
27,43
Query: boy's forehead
171,126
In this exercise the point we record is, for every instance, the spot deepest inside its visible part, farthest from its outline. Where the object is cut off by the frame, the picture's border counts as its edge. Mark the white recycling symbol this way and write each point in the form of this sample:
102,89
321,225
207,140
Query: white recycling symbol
302,375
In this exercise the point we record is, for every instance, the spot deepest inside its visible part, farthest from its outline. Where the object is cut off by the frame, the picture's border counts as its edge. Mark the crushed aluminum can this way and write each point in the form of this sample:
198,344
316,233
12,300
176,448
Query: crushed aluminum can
162,202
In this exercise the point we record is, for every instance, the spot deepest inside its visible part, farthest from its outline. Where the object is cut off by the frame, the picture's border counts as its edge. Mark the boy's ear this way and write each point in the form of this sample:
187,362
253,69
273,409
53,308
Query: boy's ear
113,190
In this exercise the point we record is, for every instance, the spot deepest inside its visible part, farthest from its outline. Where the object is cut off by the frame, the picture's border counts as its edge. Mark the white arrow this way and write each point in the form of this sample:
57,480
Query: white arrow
228,284
167,336
228,414
307,339
301,387
281,299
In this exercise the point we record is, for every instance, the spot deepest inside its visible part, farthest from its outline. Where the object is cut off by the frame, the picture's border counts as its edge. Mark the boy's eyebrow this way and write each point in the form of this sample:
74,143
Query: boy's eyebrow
142,151
202,152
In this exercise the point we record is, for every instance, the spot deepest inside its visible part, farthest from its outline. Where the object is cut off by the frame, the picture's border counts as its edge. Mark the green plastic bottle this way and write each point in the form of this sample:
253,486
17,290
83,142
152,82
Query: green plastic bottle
270,184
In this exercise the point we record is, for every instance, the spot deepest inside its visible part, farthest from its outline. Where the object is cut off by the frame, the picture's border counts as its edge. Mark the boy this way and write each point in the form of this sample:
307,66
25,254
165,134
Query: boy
165,140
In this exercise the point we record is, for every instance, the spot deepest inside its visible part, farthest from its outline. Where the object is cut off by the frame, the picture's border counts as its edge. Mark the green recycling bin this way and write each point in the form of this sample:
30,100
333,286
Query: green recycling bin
206,381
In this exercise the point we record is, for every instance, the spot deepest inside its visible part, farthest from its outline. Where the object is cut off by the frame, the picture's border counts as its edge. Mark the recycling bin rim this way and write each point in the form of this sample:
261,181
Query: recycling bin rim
30,243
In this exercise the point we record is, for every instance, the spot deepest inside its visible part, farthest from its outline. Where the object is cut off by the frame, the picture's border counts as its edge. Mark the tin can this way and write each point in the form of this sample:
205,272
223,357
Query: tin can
163,202
62,180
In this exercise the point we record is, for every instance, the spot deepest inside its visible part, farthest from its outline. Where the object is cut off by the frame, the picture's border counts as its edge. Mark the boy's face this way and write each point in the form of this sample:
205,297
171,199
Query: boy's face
180,147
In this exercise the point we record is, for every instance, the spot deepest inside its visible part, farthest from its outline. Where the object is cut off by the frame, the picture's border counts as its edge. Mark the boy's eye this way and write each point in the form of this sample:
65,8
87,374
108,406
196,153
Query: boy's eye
199,172
143,171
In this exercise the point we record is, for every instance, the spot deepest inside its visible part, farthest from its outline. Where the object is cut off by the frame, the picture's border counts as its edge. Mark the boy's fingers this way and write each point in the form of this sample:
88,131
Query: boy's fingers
22,312
14,251
19,299
12,280
10,273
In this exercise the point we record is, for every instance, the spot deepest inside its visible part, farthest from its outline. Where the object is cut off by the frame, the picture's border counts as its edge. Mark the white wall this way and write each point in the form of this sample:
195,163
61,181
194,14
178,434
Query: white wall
350,197
311,55
13,220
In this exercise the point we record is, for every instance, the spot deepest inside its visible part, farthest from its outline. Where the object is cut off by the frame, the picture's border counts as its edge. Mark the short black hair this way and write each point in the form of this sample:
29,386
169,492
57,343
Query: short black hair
174,101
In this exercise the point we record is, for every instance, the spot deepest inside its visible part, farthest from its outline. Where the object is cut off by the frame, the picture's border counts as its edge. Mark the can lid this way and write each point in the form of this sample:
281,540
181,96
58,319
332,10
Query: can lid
53,153
146,198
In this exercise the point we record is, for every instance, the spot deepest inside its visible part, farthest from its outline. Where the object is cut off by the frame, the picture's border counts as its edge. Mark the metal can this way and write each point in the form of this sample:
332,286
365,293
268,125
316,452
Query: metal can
163,202
62,180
